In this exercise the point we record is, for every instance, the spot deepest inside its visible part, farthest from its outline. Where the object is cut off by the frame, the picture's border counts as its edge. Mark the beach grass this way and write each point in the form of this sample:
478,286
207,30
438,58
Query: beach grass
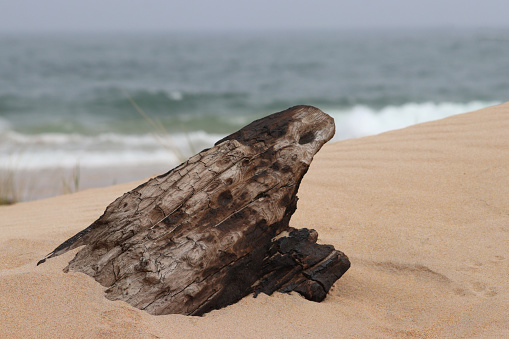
72,184
9,192
160,133
18,185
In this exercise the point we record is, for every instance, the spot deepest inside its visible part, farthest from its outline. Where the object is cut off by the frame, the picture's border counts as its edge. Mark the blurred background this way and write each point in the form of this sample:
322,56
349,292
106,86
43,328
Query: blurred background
94,93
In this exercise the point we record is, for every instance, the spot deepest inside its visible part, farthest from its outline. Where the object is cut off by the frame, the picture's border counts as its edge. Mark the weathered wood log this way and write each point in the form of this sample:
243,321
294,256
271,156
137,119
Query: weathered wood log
216,228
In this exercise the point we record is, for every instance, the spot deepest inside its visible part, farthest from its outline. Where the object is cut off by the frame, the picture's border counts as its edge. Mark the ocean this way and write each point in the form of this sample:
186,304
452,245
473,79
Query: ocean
153,99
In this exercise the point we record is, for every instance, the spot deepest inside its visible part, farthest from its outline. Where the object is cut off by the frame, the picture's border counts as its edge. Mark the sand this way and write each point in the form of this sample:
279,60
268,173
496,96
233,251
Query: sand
422,212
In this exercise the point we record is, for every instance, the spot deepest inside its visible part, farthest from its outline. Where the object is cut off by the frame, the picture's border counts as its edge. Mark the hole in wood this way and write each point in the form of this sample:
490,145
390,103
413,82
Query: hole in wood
225,198
307,138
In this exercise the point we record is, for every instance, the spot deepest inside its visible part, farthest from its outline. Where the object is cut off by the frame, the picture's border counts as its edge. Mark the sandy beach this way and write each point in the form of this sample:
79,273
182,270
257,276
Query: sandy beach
422,213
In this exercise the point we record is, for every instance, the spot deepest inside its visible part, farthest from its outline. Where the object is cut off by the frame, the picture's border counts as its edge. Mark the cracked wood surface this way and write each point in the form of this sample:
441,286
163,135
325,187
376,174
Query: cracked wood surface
210,231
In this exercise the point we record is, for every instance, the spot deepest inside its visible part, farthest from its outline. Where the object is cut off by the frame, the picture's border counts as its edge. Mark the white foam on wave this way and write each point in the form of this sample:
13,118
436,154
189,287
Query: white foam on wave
4,125
360,121
53,150
48,159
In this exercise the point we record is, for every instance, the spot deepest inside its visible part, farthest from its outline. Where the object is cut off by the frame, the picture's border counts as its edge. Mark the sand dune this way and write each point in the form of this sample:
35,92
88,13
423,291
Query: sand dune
423,214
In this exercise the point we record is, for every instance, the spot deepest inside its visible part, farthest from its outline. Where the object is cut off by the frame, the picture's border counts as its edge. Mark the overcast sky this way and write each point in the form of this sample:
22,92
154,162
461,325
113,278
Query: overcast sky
235,15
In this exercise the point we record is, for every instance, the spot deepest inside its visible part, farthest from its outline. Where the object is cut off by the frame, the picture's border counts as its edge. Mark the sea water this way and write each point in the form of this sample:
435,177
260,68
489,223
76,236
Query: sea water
102,100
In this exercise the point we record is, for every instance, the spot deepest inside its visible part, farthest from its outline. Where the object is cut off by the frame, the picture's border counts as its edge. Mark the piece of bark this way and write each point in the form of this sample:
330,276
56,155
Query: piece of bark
209,232
296,262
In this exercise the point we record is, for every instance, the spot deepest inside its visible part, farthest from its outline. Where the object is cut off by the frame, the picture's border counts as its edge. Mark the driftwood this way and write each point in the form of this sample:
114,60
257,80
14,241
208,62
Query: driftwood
215,228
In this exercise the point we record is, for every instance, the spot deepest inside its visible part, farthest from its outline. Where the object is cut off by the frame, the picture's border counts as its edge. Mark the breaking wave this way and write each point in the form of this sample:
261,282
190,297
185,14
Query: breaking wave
53,150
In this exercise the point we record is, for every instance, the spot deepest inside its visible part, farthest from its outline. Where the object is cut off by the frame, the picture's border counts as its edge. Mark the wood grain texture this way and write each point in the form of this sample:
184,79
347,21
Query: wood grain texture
210,231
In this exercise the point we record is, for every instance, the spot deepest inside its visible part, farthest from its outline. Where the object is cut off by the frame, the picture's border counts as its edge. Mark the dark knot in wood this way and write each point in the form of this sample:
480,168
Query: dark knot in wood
216,228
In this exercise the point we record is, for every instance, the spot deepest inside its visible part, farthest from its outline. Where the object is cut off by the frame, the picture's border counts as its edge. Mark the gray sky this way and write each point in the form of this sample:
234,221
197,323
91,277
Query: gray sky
234,15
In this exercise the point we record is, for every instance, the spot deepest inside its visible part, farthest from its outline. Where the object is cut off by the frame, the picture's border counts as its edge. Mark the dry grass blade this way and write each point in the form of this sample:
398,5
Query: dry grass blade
161,134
